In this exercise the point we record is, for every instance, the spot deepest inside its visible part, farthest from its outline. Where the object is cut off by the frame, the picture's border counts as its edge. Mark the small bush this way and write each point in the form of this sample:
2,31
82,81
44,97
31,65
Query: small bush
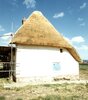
75,97
86,85
48,97
39,98
2,98
47,85
19,99
17,89
52,97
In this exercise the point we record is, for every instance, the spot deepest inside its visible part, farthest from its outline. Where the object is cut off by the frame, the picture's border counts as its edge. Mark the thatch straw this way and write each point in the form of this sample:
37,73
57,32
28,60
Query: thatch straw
37,30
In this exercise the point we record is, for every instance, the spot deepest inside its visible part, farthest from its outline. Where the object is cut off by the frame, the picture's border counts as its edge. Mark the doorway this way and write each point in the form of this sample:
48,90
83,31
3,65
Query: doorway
7,62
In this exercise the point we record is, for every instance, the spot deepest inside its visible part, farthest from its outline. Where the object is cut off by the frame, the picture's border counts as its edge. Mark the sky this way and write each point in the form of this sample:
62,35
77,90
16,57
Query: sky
69,17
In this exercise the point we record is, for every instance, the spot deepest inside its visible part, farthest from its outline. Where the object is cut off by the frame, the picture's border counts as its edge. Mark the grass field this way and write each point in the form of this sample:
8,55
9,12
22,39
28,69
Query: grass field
84,71
48,91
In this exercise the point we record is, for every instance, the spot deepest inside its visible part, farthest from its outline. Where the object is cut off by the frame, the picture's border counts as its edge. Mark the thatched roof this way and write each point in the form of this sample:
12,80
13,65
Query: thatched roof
38,31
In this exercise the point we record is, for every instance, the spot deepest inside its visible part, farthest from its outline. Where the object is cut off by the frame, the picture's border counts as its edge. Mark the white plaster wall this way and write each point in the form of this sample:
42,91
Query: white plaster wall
39,61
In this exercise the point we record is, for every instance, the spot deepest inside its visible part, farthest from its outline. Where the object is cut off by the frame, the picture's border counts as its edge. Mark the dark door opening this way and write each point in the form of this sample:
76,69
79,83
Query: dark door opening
6,65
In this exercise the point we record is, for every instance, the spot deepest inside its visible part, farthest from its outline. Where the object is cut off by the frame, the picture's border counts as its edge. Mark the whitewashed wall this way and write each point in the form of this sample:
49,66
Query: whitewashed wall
44,62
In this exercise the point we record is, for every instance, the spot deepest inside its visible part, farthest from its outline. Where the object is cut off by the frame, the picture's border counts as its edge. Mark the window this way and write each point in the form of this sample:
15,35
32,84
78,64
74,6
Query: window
56,66
61,50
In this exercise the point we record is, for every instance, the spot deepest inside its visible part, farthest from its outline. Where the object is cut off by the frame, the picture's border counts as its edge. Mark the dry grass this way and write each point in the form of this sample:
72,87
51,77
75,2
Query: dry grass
84,72
47,92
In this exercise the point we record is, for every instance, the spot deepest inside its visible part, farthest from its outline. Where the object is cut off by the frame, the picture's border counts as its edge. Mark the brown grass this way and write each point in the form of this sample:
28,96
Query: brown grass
39,92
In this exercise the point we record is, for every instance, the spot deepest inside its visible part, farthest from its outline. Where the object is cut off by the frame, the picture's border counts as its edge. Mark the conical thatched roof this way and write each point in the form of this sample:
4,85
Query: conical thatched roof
37,30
